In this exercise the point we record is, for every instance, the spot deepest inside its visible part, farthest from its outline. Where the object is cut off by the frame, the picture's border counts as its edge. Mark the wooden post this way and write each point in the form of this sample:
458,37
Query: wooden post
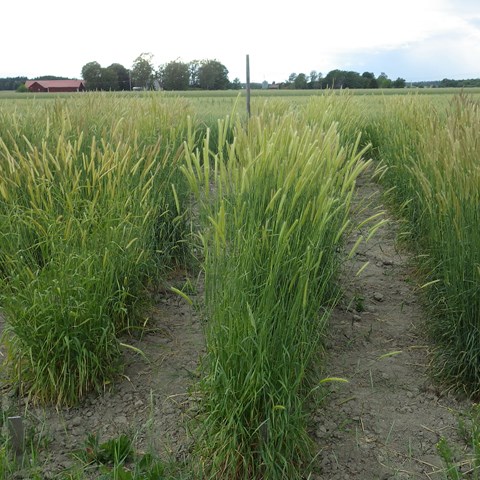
248,86
17,433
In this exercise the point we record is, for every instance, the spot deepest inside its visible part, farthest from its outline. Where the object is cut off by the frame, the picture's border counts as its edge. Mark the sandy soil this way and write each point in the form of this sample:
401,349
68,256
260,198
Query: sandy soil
383,424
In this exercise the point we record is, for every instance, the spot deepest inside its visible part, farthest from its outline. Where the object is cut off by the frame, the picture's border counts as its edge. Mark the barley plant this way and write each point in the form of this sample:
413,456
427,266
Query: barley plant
434,169
91,209
275,201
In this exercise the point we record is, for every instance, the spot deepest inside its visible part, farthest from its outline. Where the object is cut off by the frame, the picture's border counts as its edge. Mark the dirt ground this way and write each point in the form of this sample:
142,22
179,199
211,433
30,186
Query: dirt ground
383,424
386,421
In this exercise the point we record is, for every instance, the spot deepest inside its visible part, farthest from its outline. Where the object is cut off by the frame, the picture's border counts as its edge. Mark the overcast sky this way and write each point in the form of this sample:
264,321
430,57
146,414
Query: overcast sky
412,39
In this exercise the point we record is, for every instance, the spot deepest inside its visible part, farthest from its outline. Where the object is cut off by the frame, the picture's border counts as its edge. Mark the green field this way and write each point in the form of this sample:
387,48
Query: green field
223,95
103,195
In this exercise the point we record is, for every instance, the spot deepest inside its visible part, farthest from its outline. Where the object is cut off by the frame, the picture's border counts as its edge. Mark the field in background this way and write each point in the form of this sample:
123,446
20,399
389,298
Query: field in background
220,102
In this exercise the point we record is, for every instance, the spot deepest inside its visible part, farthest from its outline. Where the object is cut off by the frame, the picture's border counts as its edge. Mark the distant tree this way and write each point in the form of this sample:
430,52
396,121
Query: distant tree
123,76
320,81
300,82
447,82
22,88
384,81
114,77
355,80
236,84
142,71
174,76
399,83
108,79
213,75
290,82
92,74
315,79
344,79
335,79
370,80
193,68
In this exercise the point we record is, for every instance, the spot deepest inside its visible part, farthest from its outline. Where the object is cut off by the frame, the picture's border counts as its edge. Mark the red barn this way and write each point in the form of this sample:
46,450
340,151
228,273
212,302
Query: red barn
55,85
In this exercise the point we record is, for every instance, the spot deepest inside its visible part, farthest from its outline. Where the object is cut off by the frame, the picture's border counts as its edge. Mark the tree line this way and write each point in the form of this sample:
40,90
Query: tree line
449,83
213,75
341,79
174,75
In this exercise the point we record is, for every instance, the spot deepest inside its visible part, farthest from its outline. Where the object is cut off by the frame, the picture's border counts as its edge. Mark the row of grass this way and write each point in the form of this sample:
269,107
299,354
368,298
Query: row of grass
91,208
433,170
275,201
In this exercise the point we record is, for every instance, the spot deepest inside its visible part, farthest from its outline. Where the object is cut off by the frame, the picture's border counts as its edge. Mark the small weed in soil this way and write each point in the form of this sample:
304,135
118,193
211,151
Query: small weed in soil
460,465
115,451
116,459
359,303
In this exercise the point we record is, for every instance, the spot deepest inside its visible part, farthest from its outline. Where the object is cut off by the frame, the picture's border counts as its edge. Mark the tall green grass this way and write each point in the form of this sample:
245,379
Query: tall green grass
86,223
276,202
434,169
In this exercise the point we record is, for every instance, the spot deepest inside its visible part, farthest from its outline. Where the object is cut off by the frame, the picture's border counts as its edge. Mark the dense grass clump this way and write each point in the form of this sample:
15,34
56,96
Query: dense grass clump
85,223
276,202
433,159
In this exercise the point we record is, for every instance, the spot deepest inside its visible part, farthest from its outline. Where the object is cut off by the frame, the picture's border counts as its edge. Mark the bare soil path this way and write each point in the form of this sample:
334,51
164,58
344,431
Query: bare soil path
384,423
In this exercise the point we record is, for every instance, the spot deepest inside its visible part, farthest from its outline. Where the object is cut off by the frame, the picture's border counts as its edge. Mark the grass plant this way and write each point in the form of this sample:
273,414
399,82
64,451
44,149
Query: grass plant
276,202
86,221
434,172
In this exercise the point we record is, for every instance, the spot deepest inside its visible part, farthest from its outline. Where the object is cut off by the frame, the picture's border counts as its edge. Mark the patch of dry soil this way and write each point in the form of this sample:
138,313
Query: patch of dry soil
384,423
